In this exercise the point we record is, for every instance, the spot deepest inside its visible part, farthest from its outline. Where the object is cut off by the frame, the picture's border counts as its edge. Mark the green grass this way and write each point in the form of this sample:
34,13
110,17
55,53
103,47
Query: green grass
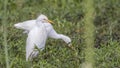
89,31
68,17
5,34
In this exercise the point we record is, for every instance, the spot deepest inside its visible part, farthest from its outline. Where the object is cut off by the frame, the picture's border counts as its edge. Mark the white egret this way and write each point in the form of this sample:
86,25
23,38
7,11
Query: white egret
38,31
36,37
28,25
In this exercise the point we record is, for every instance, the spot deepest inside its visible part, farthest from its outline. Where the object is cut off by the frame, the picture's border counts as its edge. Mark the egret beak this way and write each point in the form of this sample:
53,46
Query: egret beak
50,21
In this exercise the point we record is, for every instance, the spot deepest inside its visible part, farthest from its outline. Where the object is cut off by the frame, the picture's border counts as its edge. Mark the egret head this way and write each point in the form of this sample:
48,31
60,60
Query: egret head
43,19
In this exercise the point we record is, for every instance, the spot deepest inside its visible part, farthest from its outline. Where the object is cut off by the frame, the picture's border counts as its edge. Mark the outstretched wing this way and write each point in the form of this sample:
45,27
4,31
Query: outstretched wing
26,25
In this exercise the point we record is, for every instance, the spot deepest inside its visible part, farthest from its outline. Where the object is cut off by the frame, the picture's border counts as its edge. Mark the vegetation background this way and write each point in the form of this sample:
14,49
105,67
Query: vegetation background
68,16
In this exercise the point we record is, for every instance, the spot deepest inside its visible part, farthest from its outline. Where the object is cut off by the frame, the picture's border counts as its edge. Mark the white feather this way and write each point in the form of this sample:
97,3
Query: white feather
36,37
28,25
38,31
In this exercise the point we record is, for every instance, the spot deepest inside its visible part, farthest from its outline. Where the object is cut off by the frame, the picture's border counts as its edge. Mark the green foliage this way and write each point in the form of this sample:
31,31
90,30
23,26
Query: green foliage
89,31
108,56
68,17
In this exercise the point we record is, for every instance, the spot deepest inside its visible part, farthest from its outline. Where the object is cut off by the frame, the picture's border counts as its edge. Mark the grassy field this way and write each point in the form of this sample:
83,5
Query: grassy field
70,18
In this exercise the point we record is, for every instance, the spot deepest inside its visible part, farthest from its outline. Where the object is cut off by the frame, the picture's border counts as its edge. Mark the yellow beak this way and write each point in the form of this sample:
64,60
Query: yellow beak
50,21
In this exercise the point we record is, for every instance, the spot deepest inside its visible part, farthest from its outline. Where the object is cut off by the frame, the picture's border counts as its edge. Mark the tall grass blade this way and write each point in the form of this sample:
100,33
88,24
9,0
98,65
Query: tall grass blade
5,33
89,33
